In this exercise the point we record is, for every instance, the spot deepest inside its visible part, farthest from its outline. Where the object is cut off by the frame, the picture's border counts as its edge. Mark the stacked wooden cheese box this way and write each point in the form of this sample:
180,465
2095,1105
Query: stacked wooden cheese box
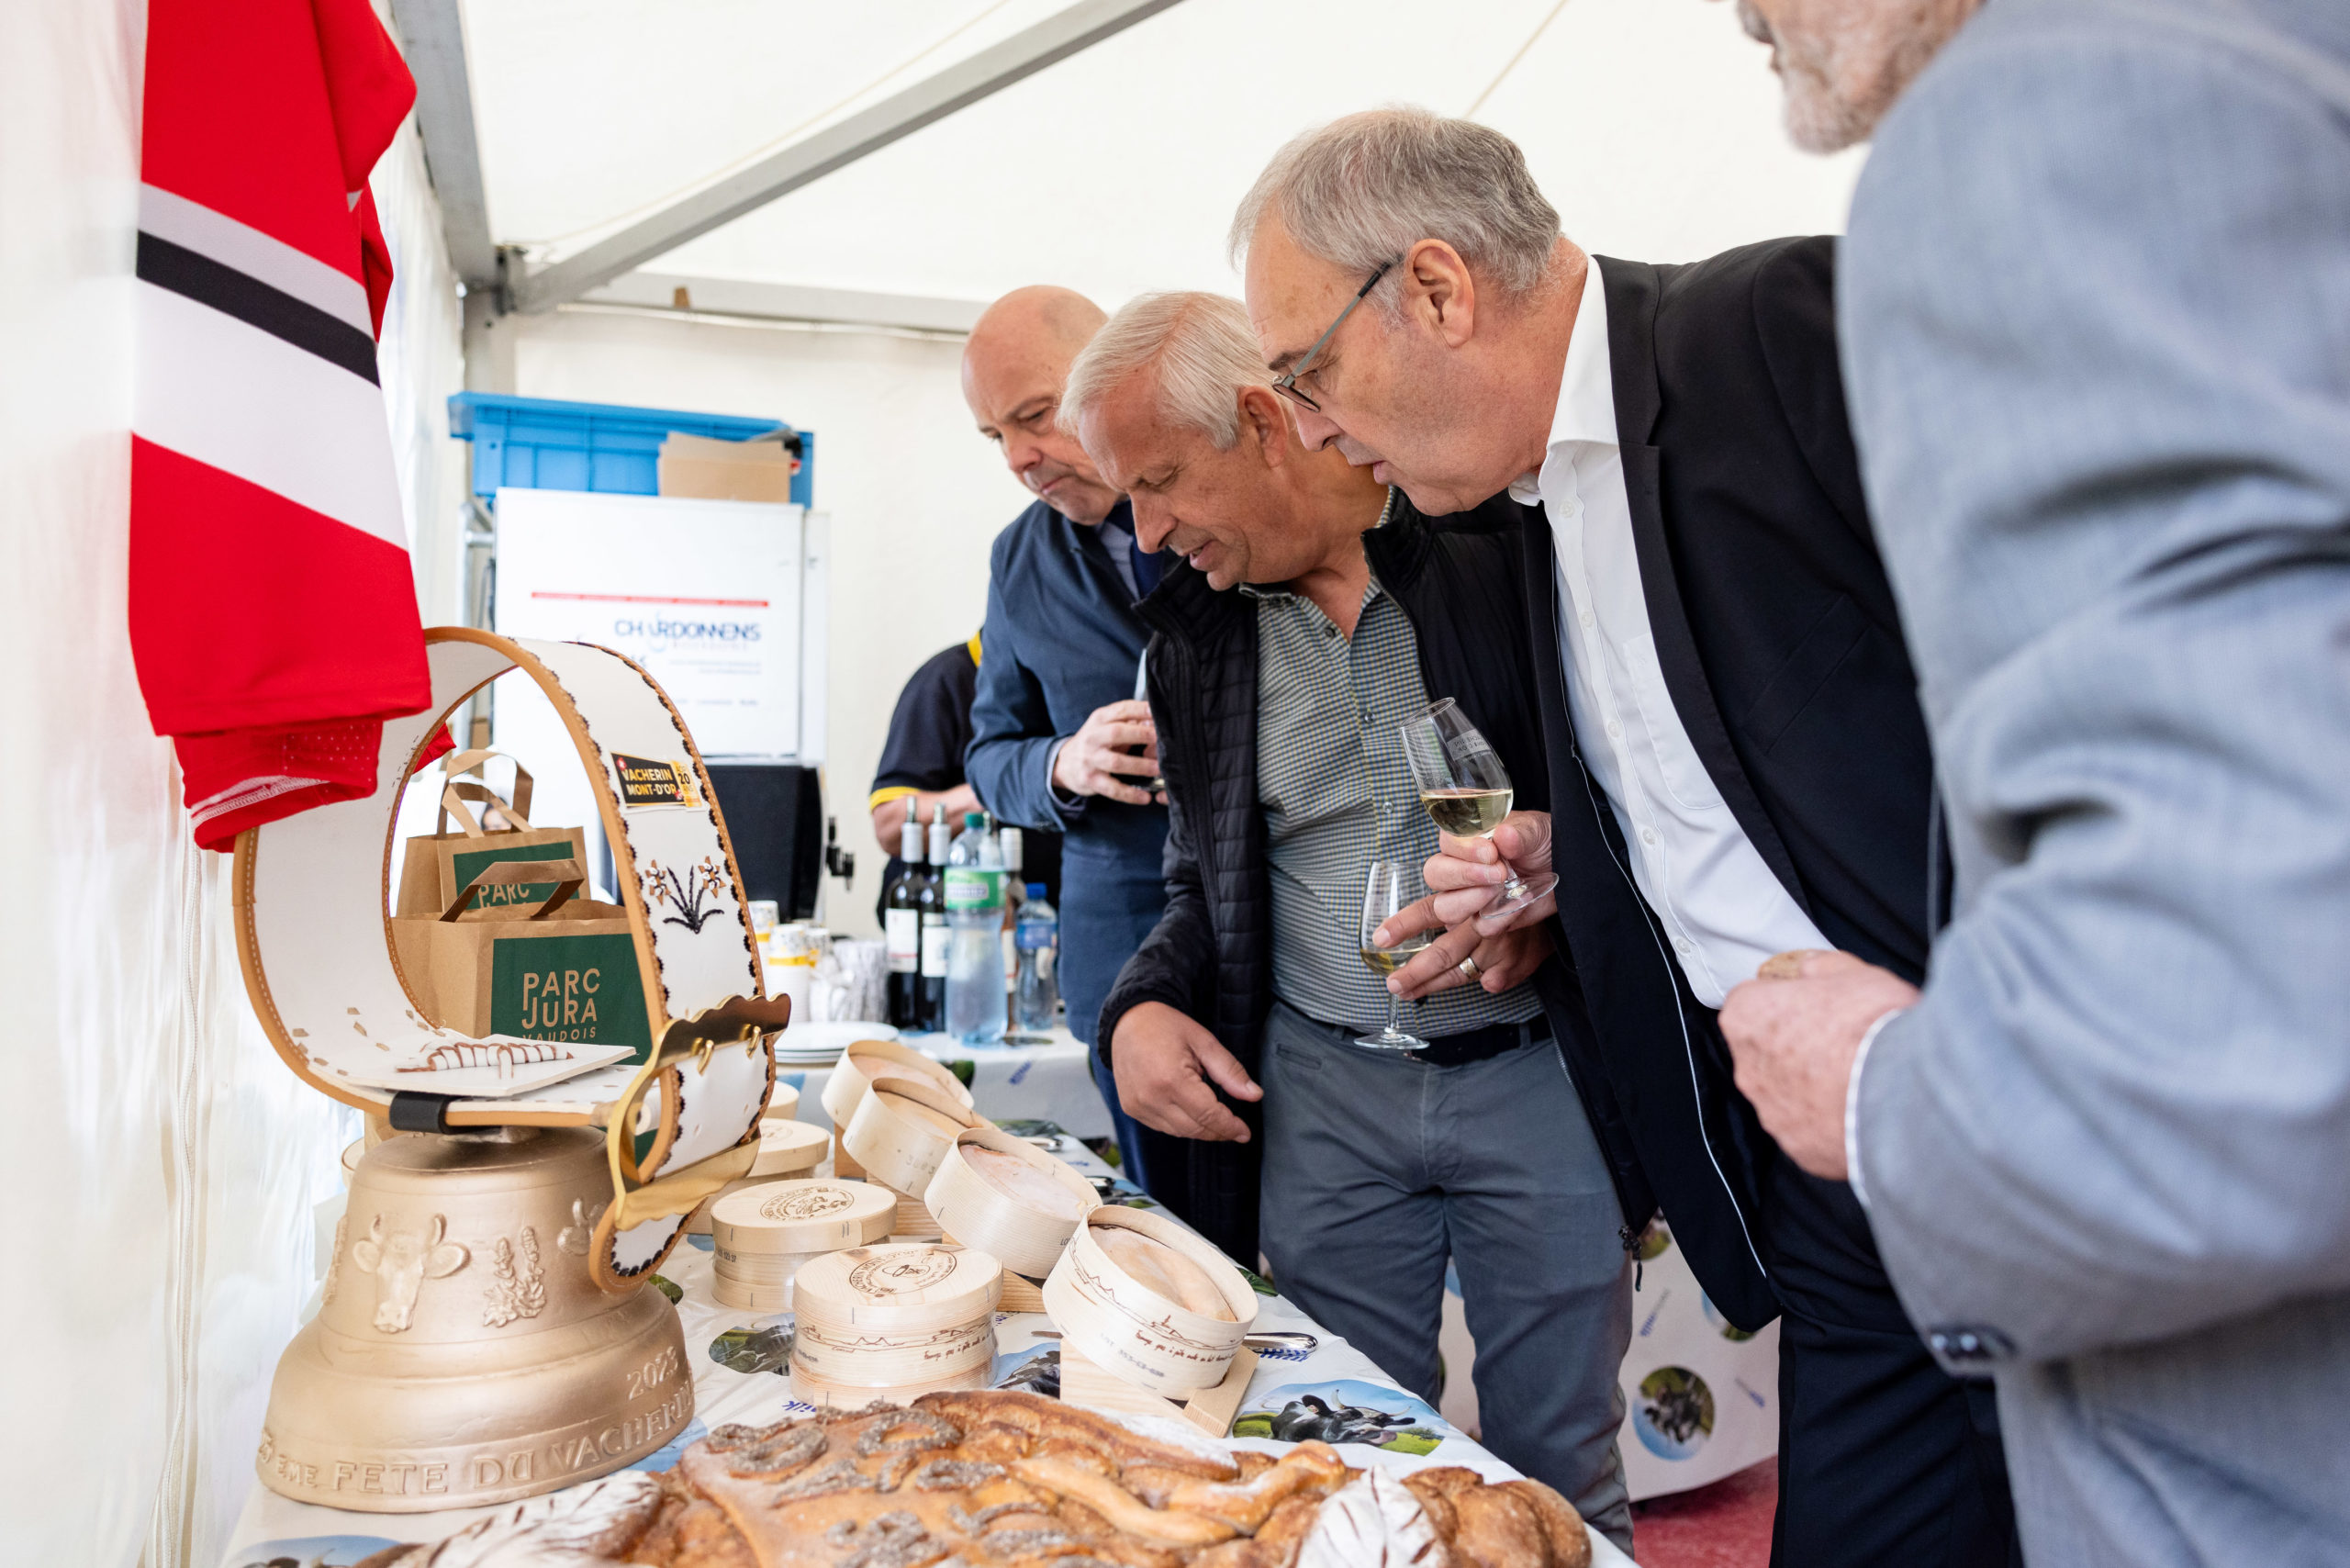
934,1220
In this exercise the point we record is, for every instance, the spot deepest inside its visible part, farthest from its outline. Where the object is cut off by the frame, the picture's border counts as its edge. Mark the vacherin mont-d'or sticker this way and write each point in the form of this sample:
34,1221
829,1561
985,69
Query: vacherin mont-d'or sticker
653,781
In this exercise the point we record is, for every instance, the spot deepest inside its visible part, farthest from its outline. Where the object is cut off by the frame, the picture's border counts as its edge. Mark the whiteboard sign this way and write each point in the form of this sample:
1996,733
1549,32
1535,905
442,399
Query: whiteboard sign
708,596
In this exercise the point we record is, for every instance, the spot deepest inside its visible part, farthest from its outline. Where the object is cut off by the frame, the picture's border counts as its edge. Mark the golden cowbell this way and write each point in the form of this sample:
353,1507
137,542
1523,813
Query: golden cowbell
462,1355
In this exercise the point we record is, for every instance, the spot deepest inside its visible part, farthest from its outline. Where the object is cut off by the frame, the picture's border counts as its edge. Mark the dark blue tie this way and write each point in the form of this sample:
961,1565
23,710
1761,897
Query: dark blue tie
1149,566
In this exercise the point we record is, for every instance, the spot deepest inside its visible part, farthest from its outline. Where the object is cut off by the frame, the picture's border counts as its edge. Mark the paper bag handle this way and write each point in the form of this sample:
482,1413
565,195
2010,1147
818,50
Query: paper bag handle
460,790
566,874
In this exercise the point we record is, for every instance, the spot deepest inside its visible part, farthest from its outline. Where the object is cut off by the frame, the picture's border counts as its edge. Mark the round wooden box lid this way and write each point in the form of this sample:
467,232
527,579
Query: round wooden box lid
1003,1194
808,1215
787,1147
783,1105
911,1287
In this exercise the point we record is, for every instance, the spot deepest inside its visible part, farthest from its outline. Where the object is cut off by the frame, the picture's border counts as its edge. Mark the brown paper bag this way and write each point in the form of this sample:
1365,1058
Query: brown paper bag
559,969
435,865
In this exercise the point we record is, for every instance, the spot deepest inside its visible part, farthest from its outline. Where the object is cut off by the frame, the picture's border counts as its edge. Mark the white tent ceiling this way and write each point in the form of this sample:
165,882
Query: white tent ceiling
1653,124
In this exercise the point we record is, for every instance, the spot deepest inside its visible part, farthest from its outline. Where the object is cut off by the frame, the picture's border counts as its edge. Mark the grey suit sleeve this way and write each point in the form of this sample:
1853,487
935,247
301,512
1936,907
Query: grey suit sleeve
2095,304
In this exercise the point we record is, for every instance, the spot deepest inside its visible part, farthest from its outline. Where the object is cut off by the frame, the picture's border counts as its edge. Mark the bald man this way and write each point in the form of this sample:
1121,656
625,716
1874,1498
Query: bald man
1057,741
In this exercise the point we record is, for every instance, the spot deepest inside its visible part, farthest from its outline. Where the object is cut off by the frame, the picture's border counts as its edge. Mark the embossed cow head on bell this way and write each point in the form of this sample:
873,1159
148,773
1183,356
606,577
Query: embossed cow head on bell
401,1262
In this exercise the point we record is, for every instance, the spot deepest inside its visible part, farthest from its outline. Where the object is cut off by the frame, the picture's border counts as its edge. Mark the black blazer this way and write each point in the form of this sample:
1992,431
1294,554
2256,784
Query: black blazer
1781,648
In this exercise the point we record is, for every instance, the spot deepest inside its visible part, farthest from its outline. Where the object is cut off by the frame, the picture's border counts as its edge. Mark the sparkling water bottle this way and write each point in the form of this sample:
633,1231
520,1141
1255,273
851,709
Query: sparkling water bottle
975,993
1037,992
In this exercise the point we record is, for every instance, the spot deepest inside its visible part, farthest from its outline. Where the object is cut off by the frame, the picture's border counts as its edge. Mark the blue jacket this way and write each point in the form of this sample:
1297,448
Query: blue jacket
1062,639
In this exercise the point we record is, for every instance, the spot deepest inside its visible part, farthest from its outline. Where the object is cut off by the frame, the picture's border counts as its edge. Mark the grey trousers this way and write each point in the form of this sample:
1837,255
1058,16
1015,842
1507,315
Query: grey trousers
1379,1168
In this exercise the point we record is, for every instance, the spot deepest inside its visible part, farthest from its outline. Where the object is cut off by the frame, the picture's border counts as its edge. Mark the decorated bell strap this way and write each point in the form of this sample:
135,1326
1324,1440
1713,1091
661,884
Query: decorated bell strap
680,1132
674,859
313,938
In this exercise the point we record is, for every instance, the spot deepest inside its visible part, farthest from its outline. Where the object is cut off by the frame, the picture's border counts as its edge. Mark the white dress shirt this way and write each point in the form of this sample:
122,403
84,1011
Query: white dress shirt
1723,907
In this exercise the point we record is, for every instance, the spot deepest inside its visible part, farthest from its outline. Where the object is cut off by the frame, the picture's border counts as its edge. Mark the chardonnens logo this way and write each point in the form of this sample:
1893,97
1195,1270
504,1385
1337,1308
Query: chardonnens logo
662,629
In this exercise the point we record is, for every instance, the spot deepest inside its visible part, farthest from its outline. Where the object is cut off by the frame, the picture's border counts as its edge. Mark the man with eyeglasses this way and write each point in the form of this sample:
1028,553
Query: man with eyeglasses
1739,765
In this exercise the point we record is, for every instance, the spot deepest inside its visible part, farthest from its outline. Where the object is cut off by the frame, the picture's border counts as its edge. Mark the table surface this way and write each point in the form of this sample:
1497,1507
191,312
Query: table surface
1409,1434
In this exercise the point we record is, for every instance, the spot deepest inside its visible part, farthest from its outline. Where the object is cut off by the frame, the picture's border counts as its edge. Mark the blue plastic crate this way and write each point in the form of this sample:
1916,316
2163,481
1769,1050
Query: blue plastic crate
542,443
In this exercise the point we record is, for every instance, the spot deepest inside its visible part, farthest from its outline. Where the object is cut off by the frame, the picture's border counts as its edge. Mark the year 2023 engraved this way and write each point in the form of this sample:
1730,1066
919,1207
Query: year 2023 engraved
652,1374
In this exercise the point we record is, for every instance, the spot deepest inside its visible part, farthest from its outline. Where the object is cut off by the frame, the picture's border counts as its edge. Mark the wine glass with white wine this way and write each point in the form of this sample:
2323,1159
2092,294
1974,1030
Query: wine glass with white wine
1467,791
1393,886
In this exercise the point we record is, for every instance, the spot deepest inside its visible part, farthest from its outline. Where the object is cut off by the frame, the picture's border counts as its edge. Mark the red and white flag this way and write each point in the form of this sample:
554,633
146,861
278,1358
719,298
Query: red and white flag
273,615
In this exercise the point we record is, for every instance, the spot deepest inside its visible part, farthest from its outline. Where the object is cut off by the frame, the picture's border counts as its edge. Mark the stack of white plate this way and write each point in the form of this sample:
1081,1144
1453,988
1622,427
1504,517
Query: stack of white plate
820,1045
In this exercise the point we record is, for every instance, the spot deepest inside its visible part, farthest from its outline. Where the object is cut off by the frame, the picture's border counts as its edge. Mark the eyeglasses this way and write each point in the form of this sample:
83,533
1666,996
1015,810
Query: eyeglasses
1287,384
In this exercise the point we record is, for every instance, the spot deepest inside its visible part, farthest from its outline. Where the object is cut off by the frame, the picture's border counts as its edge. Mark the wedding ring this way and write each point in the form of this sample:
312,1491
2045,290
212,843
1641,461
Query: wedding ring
1784,966
1469,969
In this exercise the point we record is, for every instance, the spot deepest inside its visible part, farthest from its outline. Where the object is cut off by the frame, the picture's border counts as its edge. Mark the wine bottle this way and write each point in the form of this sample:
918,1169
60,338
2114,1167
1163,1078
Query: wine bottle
932,1012
902,927
1015,891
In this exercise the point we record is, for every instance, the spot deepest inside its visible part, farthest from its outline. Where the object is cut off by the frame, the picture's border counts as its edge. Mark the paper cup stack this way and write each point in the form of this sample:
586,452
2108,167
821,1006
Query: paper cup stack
893,1323
1148,1301
787,1149
1006,1196
763,1236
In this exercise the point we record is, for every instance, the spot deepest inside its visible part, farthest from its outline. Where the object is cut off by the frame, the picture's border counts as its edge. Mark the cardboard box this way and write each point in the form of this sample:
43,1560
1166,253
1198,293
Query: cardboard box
701,469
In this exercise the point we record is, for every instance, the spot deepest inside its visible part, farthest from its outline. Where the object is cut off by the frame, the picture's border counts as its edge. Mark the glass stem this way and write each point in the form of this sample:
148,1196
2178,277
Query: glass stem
1512,884
1393,1014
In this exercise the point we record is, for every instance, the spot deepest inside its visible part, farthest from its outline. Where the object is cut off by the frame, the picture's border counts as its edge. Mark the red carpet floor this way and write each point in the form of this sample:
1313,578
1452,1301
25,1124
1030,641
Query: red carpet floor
1726,1525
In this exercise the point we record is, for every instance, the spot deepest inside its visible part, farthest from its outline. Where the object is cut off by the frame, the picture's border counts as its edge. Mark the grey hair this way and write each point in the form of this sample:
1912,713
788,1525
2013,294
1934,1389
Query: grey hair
1361,191
1200,347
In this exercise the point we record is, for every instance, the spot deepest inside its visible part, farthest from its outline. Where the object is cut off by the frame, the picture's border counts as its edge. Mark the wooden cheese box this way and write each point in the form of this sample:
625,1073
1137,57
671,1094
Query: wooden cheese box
1131,1329
864,1059
1007,1196
900,1130
787,1149
890,1322
762,1236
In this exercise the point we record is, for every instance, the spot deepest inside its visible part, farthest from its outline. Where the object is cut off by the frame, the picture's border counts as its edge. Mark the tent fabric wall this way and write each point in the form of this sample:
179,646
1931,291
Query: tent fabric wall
420,359
163,1164
1653,124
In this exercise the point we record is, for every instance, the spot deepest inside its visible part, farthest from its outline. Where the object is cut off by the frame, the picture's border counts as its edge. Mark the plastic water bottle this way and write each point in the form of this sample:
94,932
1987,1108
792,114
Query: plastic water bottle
1037,991
975,993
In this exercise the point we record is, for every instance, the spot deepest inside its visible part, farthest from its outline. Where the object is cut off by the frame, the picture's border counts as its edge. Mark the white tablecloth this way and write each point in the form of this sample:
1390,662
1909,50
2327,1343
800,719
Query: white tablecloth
272,1530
